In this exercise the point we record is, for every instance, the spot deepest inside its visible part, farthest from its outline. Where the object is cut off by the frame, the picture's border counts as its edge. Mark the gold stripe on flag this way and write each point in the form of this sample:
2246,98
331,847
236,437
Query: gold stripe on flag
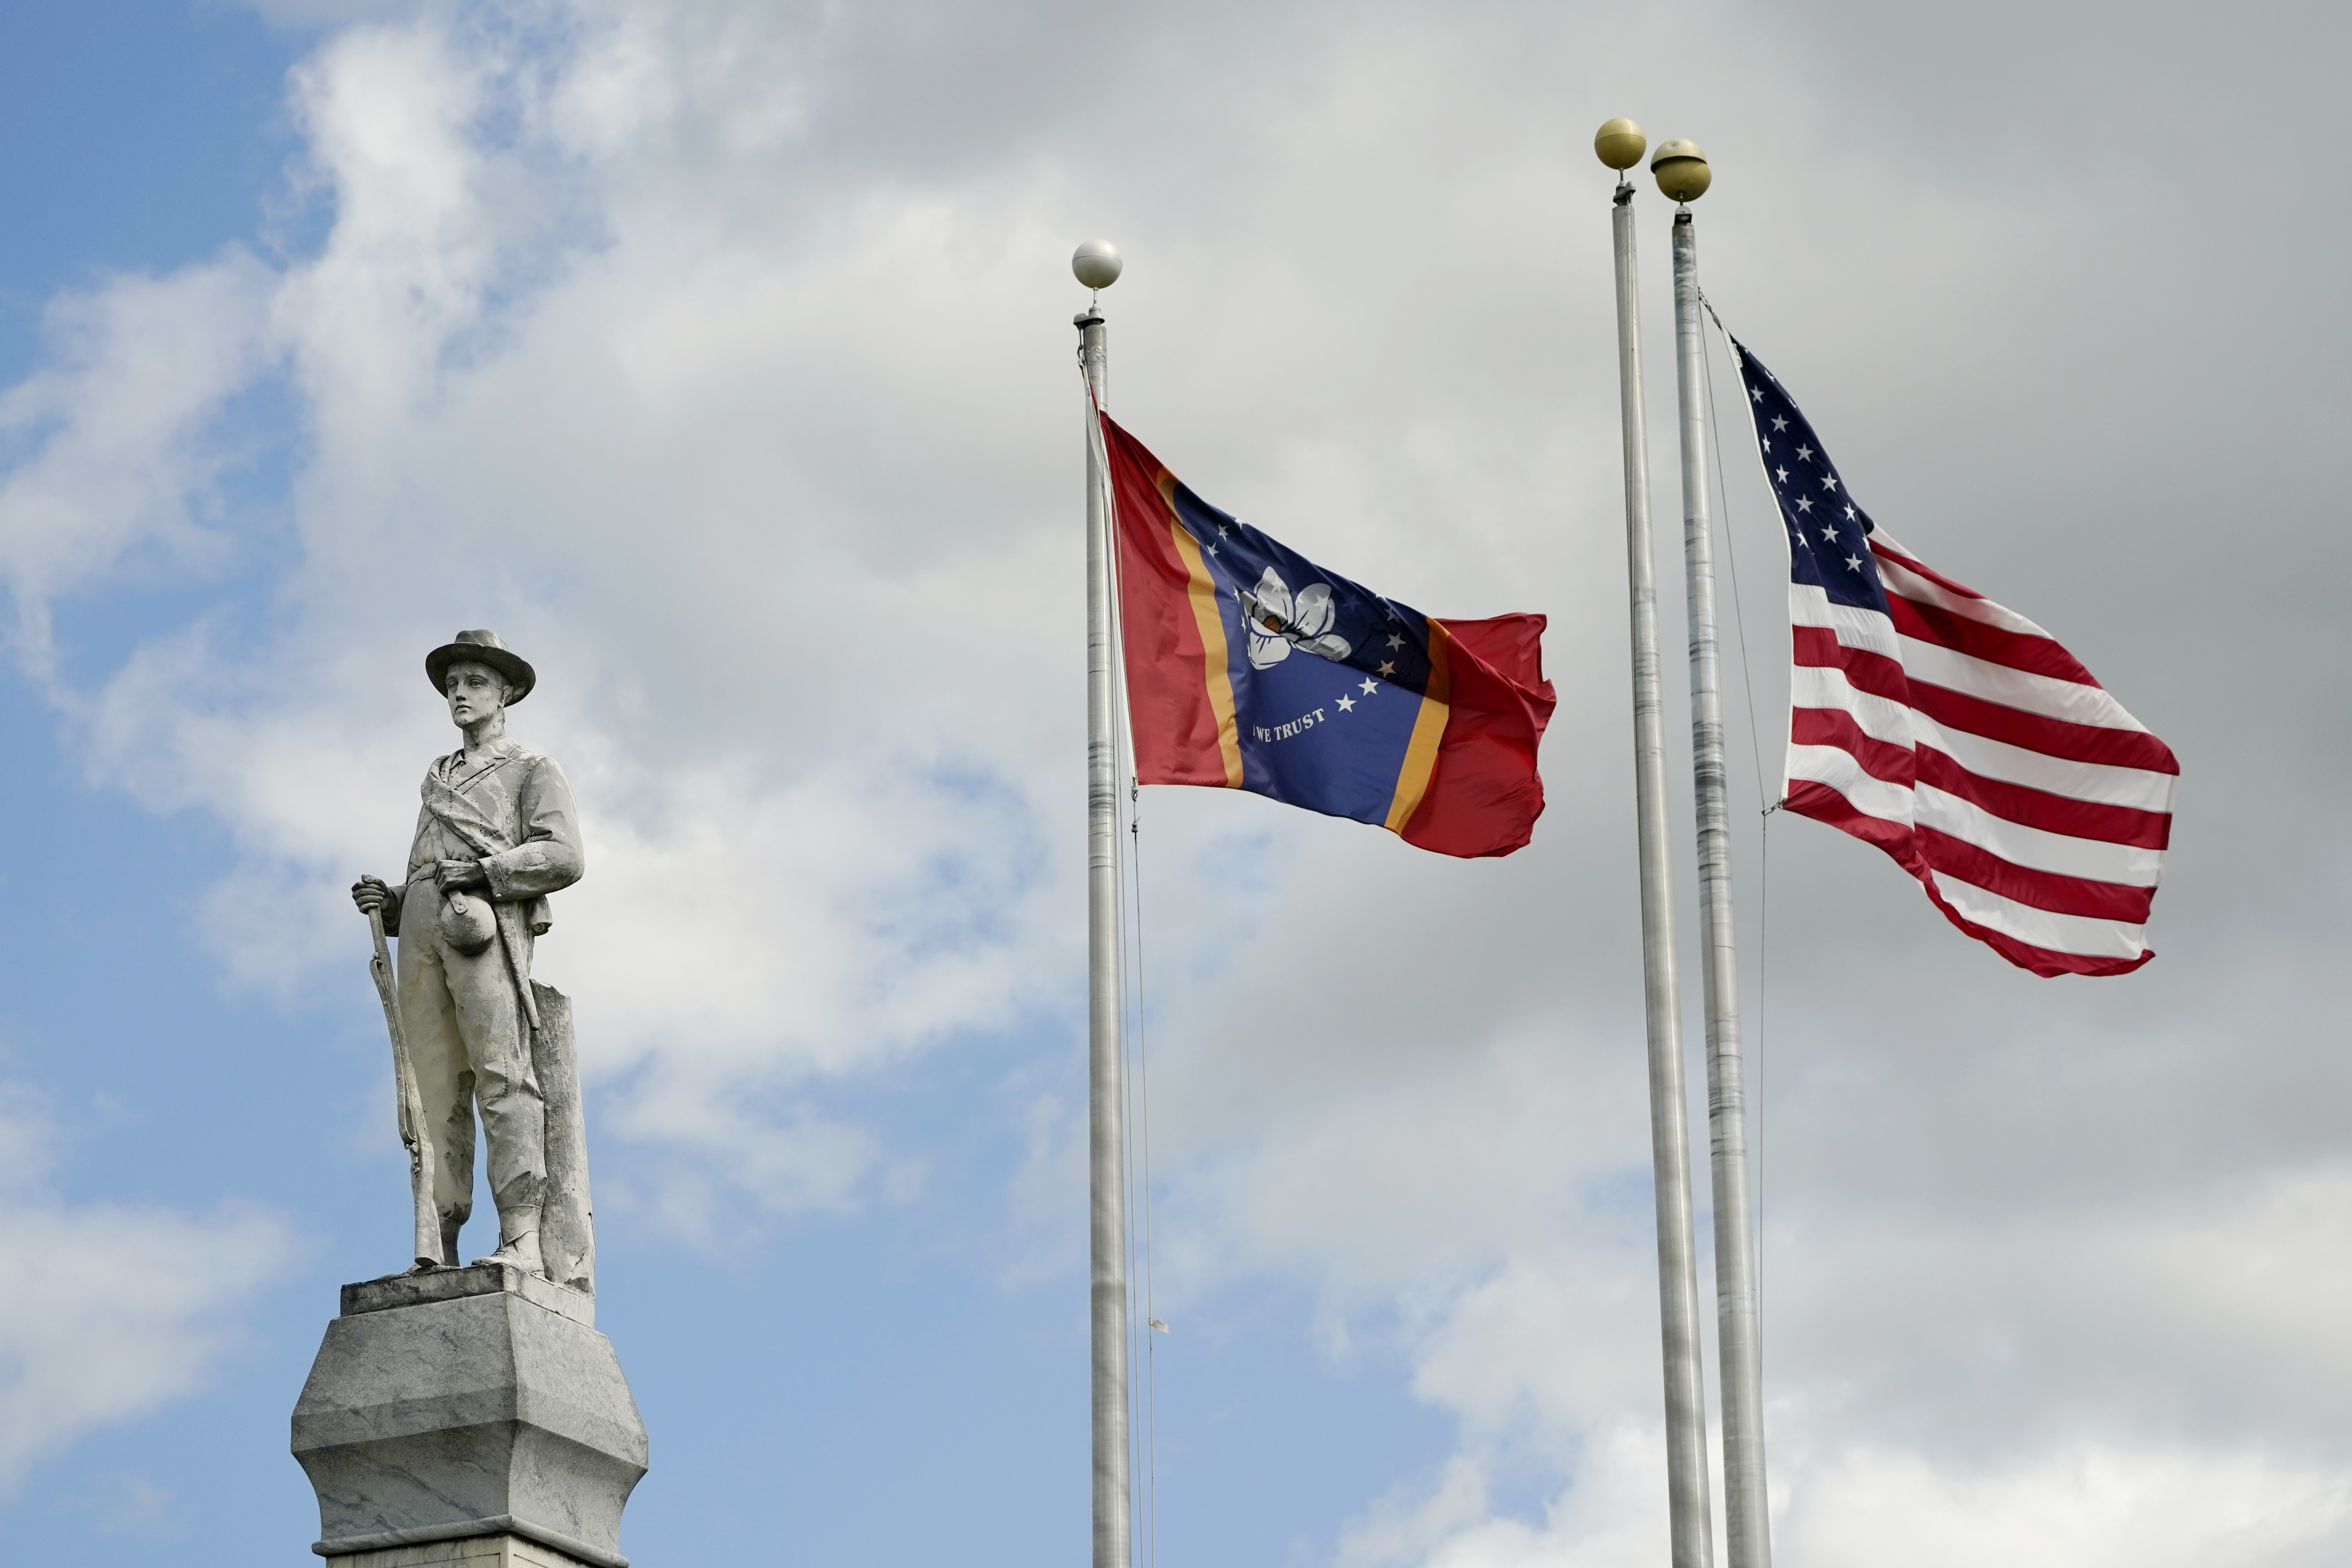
1428,729
1202,589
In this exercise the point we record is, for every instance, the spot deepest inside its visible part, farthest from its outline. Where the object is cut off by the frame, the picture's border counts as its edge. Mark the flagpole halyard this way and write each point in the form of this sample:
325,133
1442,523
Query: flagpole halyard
1097,264
1619,145
1683,177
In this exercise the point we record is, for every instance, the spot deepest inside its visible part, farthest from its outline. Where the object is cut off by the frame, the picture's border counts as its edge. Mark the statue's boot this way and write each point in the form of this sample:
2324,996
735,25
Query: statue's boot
520,1247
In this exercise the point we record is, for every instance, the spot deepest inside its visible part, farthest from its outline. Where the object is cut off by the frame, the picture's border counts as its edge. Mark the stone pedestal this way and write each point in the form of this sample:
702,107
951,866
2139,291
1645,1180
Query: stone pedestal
472,1552
469,1416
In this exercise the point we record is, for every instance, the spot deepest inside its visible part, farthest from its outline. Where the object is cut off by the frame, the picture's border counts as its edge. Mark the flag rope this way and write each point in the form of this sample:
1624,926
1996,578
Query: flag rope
1764,796
1731,553
1150,1424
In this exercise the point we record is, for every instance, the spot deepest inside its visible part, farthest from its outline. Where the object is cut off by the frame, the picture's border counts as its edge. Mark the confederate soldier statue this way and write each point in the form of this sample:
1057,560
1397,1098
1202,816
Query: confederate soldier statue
498,834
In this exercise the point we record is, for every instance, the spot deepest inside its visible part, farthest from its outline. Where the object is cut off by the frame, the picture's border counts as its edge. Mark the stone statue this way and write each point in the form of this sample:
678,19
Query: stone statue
472,1416
496,834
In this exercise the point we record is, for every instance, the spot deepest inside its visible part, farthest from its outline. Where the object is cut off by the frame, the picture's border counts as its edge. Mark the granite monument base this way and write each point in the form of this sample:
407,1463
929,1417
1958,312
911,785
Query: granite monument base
472,1552
476,1413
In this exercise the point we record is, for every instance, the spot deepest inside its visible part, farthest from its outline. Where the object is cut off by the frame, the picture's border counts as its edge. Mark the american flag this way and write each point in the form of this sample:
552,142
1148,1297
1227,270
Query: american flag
1957,735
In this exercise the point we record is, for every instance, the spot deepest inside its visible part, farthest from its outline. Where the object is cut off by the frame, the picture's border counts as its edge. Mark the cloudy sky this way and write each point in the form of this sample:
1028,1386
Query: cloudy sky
717,352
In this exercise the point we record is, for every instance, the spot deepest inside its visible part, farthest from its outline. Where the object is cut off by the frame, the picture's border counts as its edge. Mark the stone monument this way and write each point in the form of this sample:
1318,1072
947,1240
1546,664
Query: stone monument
474,1414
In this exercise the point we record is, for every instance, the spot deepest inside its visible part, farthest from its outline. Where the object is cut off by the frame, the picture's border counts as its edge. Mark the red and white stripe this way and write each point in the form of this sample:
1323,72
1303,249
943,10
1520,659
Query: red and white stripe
1961,738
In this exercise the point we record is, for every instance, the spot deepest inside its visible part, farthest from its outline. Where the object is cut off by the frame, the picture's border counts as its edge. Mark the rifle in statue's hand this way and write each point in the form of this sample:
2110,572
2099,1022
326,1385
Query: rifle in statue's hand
412,1106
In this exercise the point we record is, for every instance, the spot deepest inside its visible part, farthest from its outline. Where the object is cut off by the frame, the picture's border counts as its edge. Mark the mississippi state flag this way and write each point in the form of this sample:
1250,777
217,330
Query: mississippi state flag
1249,666
1956,735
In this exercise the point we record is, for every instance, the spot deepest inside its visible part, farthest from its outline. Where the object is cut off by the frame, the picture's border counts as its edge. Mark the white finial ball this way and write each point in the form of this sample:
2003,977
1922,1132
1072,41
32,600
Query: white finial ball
1096,263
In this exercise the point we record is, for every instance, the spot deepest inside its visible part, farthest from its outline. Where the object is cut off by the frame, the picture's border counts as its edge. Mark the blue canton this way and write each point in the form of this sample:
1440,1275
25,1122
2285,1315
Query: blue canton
1827,547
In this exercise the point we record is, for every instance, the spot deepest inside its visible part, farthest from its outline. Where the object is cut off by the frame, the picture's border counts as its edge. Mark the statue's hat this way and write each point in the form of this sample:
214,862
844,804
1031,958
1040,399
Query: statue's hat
481,647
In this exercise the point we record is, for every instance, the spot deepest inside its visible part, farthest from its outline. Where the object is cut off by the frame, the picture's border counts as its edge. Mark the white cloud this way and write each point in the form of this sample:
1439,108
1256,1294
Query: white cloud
107,1310
1609,1519
2088,1506
775,890
111,459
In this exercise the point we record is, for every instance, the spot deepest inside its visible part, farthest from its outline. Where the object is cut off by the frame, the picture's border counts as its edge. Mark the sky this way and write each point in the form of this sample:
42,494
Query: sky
717,354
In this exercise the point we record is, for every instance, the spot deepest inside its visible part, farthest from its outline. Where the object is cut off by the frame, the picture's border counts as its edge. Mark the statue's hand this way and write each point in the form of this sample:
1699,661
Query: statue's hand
456,876
370,894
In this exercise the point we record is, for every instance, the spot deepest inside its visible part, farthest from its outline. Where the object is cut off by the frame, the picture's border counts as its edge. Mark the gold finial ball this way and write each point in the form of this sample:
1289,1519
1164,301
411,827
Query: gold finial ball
1620,143
1681,170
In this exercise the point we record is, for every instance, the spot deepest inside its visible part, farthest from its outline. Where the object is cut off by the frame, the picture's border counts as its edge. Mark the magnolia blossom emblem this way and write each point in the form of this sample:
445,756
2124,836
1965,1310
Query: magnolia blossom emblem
1277,622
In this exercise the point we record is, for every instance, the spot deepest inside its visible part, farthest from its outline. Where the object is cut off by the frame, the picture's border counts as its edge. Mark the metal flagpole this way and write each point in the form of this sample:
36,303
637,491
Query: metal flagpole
1097,264
1683,175
1692,1531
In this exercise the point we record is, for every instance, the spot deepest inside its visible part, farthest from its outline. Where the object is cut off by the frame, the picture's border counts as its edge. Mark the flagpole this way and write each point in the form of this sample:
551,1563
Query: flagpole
1683,175
1691,1531
1097,264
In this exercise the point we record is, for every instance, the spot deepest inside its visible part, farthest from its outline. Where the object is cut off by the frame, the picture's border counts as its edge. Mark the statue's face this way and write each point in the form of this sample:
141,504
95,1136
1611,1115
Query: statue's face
476,693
